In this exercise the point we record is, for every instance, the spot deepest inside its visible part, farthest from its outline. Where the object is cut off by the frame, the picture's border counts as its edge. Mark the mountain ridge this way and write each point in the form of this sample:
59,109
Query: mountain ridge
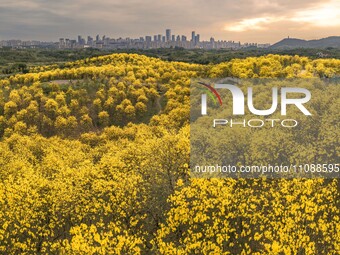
290,43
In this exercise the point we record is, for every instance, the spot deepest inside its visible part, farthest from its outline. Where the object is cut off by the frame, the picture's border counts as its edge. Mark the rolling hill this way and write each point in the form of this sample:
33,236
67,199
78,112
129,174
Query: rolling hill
290,43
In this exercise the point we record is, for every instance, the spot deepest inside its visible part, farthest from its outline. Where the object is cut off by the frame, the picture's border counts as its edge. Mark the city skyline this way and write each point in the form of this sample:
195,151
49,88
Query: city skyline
159,40
158,36
240,20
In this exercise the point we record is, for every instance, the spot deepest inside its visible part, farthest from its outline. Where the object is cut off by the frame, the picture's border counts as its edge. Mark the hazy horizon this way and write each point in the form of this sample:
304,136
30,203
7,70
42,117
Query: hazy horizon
238,20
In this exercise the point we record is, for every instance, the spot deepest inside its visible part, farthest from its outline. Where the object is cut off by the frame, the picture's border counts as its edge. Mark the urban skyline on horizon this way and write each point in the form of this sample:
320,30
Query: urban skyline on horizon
138,36
159,40
202,37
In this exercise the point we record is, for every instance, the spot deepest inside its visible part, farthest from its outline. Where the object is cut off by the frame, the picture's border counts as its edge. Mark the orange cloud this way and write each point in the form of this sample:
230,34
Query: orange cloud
322,15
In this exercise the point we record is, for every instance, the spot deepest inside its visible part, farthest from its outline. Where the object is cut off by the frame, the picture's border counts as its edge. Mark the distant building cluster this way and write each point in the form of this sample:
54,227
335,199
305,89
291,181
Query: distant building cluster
168,40
27,44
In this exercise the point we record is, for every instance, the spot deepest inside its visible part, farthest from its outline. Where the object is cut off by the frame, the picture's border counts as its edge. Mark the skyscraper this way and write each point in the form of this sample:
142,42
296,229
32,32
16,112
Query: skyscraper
197,40
61,42
81,40
89,40
193,36
168,34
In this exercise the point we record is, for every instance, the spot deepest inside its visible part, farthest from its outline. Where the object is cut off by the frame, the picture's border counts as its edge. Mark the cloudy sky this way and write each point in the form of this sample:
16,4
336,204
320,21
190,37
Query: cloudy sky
240,20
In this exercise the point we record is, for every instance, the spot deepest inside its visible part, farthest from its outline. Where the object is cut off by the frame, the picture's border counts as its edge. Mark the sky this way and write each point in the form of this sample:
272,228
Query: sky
262,21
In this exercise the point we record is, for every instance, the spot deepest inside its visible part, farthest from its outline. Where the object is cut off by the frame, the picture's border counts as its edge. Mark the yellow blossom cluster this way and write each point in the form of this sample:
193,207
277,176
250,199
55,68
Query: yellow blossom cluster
95,160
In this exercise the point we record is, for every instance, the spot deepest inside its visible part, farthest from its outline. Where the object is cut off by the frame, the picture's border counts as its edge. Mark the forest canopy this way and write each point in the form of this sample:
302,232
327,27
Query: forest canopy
95,160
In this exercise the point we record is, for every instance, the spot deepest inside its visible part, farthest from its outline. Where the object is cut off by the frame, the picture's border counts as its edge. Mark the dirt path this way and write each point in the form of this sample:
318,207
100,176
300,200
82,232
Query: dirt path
158,104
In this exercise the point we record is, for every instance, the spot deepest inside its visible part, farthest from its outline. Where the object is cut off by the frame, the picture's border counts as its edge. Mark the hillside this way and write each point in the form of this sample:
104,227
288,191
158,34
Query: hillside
291,43
95,159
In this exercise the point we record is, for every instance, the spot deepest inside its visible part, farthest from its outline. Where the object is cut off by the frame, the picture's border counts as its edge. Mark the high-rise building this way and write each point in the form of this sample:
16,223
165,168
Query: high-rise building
173,38
81,40
148,38
193,36
159,37
89,40
197,40
61,43
168,34
163,38
184,38
155,38
97,38
178,38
